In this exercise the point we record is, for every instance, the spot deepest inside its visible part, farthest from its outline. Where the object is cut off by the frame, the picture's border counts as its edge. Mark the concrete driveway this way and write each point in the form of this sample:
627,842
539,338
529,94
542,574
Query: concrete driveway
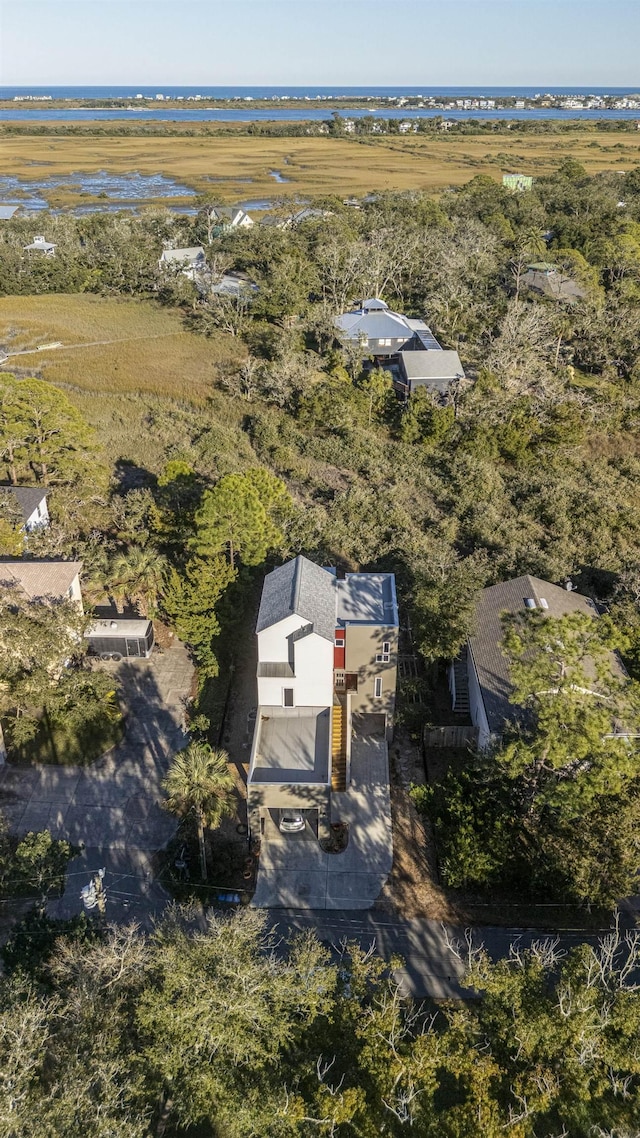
295,873
113,806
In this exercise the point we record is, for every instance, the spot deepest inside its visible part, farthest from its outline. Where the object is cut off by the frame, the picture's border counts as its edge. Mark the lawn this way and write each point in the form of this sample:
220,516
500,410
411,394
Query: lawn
236,167
112,346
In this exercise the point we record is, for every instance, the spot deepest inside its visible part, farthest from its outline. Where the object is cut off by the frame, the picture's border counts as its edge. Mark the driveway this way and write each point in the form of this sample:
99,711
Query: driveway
295,873
114,806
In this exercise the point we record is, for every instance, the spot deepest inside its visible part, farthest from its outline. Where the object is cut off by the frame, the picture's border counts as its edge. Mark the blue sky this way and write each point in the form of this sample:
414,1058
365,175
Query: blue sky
315,42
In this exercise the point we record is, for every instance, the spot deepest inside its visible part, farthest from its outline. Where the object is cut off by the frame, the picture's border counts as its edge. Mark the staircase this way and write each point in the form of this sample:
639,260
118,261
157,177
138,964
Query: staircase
461,675
338,746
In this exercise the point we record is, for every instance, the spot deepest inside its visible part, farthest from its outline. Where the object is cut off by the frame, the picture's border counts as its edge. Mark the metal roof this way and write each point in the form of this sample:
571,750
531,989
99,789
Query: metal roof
301,588
41,245
195,253
486,644
27,497
39,579
118,628
7,212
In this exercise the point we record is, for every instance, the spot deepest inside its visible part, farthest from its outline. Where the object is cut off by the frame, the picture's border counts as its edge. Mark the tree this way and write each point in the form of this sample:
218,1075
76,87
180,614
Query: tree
190,600
11,526
240,516
42,434
199,782
137,575
41,863
377,387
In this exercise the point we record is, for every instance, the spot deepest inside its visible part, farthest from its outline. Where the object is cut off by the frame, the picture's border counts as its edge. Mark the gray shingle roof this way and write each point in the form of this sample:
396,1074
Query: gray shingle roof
552,282
27,497
302,588
39,578
431,365
485,645
183,256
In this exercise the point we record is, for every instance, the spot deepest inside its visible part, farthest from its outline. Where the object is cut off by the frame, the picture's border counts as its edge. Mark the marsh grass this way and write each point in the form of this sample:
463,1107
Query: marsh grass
233,167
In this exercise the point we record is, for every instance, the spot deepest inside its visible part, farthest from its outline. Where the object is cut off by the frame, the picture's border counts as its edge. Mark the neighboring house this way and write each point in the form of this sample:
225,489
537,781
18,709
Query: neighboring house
191,262
433,368
234,285
40,580
231,217
7,212
327,649
379,331
272,221
309,214
518,182
548,280
479,679
32,501
41,245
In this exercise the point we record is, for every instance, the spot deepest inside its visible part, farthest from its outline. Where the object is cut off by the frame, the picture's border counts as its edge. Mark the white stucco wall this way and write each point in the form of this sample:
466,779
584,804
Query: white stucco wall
313,665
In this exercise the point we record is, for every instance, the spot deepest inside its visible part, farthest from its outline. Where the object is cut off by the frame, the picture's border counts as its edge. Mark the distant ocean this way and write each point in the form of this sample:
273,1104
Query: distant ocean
247,113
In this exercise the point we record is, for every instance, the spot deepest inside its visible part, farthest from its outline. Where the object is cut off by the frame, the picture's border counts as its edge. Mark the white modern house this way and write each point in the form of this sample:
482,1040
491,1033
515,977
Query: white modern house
231,217
327,650
479,679
32,503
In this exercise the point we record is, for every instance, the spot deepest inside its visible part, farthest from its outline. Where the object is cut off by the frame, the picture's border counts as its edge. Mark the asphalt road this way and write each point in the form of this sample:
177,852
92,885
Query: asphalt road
433,954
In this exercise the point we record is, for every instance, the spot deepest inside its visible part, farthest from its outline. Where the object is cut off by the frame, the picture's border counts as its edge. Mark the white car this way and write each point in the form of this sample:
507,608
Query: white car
291,822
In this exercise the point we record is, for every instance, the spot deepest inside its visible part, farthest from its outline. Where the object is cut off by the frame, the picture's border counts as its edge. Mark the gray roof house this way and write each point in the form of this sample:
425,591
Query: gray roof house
7,212
327,650
548,280
479,680
32,501
379,331
189,261
433,368
231,217
234,285
41,245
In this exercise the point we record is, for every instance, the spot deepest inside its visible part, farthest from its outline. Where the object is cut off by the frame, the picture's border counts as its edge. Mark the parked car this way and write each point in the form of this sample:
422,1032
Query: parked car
291,822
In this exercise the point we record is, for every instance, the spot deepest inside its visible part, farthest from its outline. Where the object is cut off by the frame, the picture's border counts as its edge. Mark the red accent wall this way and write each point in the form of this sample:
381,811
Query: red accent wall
339,653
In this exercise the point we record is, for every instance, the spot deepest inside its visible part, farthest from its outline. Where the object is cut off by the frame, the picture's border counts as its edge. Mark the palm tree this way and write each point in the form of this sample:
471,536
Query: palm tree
199,781
137,575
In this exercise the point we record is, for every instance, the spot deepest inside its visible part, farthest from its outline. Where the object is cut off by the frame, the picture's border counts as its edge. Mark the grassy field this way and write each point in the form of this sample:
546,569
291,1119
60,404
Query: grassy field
146,348
236,168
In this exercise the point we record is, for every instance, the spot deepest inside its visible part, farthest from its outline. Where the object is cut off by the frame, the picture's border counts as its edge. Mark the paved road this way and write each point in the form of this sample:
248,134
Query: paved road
293,869
431,967
113,807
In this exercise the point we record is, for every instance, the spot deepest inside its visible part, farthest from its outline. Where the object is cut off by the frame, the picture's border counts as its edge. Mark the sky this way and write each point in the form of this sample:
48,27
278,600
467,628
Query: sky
320,42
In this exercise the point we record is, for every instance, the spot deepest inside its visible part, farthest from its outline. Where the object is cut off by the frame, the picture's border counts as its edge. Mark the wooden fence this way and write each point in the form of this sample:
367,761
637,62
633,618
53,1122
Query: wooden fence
451,737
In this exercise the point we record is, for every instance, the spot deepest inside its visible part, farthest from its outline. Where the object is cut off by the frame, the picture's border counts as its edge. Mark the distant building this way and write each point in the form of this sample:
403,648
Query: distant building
190,262
41,245
231,217
7,212
234,285
32,502
548,280
518,182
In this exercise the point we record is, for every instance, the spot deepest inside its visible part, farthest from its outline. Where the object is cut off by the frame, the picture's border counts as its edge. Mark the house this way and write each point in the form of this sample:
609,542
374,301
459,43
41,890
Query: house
433,368
548,280
309,214
41,245
7,212
190,262
327,650
235,285
379,331
231,217
32,502
479,679
42,580
517,182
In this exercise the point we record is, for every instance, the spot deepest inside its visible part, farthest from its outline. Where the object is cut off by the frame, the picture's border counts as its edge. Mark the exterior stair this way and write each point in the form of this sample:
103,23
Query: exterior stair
339,747
461,676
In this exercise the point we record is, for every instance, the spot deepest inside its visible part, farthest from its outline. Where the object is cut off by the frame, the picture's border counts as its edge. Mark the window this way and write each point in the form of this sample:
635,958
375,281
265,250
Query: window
287,697
339,642
377,687
384,656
